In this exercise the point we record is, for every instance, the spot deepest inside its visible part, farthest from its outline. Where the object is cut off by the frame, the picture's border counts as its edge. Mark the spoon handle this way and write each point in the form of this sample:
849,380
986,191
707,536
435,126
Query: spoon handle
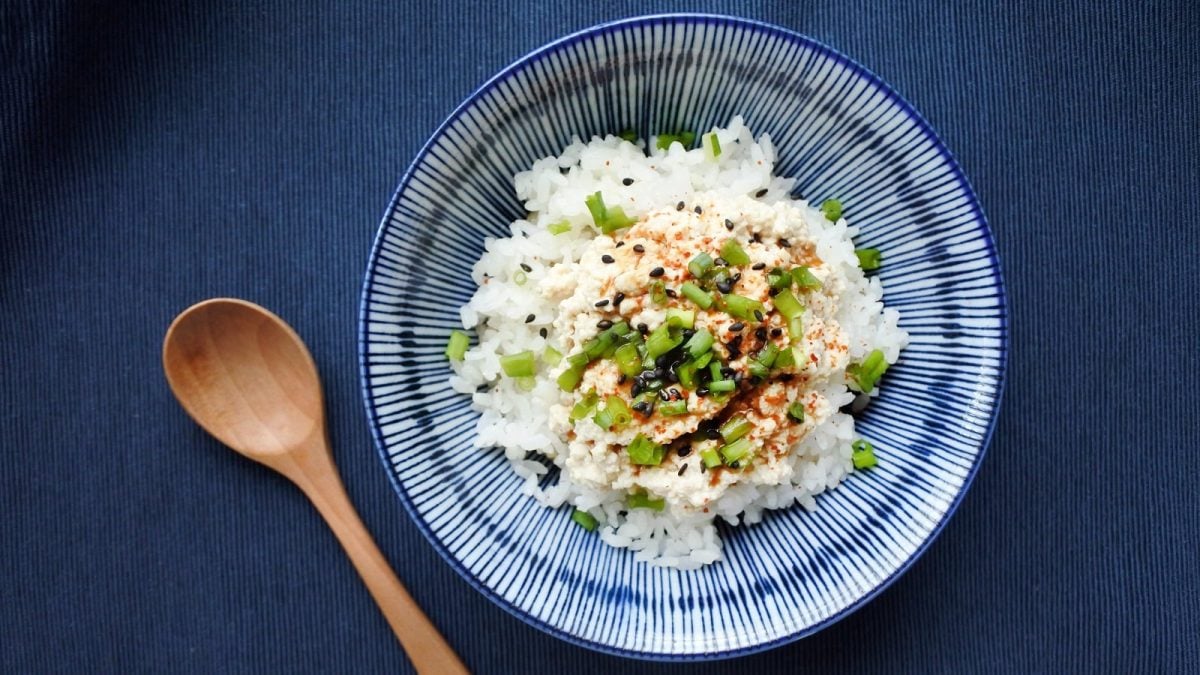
421,640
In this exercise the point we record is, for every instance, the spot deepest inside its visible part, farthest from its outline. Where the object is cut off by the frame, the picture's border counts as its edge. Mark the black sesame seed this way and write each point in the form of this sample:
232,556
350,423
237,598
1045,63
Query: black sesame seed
738,377
729,224
735,343
647,374
636,388
672,377
698,210
756,238
530,318
776,332
679,206
643,328
675,395
671,293
543,332
622,379
727,372
759,266
702,392
712,433
627,182
734,465
773,292
604,324
737,326
664,395
525,267
662,360
657,272
619,244
736,277
639,248
786,377
761,193
725,286
758,315
703,467
784,243
688,333
660,372
601,303
618,298
682,468
721,262
642,407
685,450
761,333
607,259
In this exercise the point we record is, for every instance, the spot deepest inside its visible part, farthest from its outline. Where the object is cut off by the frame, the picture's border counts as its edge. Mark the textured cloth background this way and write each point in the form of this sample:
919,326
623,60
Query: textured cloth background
154,154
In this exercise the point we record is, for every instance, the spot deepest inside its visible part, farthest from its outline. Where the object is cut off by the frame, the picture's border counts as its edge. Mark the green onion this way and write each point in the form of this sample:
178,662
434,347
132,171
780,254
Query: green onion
638,500
629,362
560,227
735,428
650,398
645,452
796,411
519,277
713,143
719,275
584,406
739,306
758,370
735,450
596,347
700,343
786,358
787,304
687,374
628,135
863,454
696,294
569,379
674,407
681,318
832,209
456,346
804,279
607,219
521,364
620,329
700,265
864,376
710,457
615,415
768,355
687,138
661,341
527,384
795,328
551,356
779,279
869,259
579,360
714,369
584,519
703,359
721,386
658,293
733,253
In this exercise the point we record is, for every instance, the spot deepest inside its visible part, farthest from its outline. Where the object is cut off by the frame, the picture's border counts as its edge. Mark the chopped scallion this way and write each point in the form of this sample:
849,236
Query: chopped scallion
832,209
733,253
795,327
607,219
805,279
722,386
735,428
735,450
673,407
519,277
713,143
863,454
864,376
786,358
796,411
584,406
560,227
700,343
528,383
710,457
628,135
628,361
551,356
787,304
645,452
703,359
658,293
660,341
739,306
681,318
697,295
639,500
570,378
596,347
456,346
584,519
686,373
869,259
521,364
700,265
779,279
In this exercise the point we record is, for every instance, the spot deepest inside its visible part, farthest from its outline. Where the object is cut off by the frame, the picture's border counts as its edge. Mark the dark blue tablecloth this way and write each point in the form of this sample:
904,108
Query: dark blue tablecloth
153,154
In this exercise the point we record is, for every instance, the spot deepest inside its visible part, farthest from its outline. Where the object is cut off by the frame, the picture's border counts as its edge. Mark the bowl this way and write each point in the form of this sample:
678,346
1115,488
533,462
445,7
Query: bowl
841,131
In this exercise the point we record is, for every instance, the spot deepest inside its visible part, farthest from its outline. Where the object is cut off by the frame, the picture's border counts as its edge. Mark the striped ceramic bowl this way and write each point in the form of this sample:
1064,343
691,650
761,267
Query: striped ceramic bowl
842,132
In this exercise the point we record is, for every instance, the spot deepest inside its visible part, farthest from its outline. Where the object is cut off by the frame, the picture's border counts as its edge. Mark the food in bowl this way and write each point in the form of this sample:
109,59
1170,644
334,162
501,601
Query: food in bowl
678,336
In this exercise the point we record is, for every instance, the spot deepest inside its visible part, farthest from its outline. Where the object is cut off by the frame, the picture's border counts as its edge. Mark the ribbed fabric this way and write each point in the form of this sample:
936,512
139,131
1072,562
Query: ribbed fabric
155,155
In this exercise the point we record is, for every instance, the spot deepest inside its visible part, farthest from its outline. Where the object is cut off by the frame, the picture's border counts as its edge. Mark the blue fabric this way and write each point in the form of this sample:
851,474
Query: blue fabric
154,155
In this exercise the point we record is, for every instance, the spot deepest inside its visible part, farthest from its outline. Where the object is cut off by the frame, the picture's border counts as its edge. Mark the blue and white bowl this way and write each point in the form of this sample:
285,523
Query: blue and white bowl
842,132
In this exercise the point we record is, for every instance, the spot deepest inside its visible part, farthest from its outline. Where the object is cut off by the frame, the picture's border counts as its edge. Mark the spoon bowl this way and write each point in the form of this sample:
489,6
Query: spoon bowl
246,377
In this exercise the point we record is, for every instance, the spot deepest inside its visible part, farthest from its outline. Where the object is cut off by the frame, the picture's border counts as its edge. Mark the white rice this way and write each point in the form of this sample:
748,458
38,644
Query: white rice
520,421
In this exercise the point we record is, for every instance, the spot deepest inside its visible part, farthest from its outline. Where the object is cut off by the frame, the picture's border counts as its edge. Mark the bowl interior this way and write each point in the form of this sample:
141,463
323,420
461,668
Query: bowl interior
842,133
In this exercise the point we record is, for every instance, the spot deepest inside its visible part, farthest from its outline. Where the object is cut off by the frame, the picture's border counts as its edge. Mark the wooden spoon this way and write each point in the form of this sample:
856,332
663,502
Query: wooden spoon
245,376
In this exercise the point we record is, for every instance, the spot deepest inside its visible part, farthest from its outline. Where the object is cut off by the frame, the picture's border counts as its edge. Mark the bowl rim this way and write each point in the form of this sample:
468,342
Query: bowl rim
655,19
